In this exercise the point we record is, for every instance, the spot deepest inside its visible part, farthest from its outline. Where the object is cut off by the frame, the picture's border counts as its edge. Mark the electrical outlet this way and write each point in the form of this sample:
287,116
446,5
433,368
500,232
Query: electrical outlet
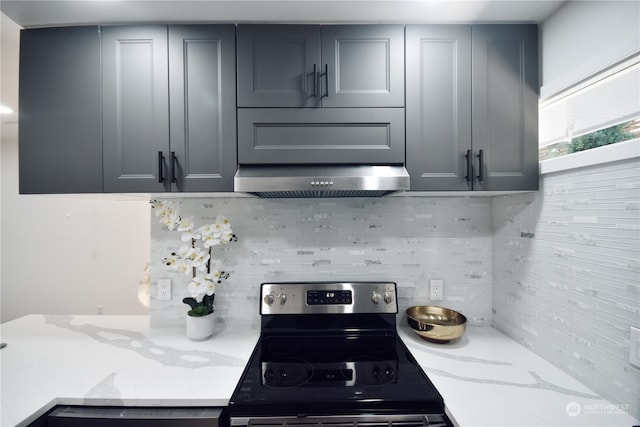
634,346
164,289
436,289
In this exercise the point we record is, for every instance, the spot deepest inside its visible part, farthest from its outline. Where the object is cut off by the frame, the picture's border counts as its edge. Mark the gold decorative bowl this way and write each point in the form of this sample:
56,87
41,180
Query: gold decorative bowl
437,324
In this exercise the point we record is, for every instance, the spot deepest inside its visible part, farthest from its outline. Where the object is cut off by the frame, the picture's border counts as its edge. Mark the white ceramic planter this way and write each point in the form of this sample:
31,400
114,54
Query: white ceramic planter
200,328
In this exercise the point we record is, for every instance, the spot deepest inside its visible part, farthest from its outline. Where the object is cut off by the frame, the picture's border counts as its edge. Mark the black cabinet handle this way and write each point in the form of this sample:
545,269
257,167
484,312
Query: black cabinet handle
469,166
480,157
315,80
326,80
160,167
173,161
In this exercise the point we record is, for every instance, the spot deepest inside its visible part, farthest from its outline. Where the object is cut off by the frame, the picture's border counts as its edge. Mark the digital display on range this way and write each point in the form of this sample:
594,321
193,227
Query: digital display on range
331,375
329,297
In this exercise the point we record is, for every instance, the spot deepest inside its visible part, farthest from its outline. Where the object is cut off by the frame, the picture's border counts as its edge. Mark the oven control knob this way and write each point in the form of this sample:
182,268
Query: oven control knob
388,297
268,375
269,299
376,297
282,298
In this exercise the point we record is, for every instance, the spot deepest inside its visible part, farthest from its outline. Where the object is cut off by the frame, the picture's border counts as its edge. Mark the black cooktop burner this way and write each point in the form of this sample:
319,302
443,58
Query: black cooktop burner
287,372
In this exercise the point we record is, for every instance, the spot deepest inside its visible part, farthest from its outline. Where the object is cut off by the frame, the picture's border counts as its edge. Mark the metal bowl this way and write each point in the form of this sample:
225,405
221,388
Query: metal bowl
437,324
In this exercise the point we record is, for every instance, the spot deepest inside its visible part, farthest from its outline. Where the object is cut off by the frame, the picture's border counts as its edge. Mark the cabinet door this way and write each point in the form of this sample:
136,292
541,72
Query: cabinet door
135,109
277,65
505,106
202,76
362,66
60,128
320,135
439,107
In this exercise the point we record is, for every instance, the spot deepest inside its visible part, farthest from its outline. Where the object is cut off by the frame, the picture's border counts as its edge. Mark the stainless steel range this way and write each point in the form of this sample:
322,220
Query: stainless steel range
329,353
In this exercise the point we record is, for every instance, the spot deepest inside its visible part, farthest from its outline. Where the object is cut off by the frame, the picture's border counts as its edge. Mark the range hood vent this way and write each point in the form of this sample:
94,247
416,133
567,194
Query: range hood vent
320,181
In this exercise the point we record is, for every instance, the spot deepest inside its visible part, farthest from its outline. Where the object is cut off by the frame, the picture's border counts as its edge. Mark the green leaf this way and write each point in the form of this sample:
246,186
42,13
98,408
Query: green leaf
191,302
199,310
600,138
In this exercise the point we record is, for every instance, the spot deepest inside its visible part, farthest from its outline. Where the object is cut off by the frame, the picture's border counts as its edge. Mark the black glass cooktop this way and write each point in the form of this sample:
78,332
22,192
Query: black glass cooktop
320,374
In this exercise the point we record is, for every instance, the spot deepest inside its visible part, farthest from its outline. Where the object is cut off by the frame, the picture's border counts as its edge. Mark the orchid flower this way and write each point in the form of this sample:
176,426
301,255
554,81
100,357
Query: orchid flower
190,258
210,286
197,288
210,240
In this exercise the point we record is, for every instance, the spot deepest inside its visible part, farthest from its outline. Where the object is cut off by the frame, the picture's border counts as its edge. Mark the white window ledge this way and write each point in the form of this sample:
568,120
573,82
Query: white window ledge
609,153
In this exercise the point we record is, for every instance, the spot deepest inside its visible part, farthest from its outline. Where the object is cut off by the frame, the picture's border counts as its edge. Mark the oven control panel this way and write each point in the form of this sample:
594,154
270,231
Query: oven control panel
328,297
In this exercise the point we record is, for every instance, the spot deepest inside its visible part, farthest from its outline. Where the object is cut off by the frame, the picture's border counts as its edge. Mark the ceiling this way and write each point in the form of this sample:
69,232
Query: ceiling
28,13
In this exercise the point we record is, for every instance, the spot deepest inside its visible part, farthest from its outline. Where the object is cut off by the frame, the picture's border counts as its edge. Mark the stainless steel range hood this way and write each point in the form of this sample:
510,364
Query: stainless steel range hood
275,181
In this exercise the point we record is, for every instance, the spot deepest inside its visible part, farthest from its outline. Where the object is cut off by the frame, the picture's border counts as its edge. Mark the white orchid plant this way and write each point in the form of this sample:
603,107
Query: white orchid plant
194,259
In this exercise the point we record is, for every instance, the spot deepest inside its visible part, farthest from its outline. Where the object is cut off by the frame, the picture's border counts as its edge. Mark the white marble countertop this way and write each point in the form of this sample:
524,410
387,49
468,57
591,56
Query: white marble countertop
486,378
114,360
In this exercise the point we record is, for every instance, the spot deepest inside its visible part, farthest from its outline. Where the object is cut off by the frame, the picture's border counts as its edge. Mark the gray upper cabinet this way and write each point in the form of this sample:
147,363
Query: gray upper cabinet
312,66
151,144
135,109
60,147
320,94
438,106
328,135
152,108
505,106
363,66
472,106
202,81
278,65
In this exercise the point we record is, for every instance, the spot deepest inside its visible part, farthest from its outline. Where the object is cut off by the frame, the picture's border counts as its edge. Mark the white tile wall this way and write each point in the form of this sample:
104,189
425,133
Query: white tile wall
567,273
403,239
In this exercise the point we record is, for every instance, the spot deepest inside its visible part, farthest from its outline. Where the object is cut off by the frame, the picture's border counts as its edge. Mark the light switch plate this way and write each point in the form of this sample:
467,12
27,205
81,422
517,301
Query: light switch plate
164,289
436,290
634,346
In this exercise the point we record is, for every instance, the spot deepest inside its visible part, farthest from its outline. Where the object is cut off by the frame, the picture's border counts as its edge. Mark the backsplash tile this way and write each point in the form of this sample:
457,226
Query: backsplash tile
408,240
567,275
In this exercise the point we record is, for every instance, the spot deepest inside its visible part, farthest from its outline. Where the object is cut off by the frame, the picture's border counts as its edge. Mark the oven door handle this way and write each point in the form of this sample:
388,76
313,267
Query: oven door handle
416,420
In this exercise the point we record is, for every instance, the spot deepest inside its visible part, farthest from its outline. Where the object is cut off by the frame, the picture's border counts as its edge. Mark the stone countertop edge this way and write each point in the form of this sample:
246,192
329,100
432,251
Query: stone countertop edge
485,377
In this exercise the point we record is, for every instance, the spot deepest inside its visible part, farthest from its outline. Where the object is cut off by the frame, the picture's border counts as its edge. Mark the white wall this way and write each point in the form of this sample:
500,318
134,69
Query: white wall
63,254
584,37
